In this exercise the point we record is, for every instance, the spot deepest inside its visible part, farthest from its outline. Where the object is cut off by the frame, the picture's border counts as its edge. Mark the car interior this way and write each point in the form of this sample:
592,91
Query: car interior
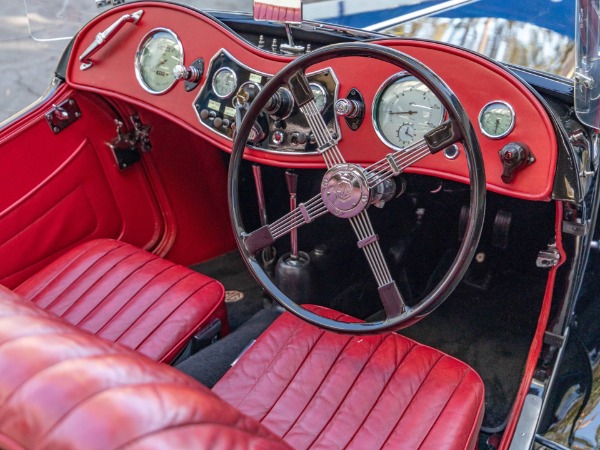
178,270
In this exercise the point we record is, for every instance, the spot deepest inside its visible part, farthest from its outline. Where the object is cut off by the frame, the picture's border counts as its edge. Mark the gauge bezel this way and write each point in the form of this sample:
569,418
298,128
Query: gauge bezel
235,78
323,91
513,119
138,65
374,114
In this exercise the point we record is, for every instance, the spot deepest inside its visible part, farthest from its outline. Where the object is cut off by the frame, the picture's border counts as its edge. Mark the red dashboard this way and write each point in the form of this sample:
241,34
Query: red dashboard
474,80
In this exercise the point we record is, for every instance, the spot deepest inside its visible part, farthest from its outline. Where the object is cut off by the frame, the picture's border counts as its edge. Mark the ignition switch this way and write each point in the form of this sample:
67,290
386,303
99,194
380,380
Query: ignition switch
514,156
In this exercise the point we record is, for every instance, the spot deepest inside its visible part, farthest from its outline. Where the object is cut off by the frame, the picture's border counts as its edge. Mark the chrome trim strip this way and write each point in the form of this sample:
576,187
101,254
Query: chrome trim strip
446,6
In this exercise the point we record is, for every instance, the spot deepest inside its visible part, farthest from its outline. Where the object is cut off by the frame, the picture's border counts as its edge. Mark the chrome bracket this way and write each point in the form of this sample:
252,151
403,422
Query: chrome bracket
103,37
63,115
584,80
127,145
548,258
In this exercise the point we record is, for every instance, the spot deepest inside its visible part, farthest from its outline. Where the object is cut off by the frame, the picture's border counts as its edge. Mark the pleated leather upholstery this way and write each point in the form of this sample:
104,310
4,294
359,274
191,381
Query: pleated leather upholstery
318,389
127,295
62,388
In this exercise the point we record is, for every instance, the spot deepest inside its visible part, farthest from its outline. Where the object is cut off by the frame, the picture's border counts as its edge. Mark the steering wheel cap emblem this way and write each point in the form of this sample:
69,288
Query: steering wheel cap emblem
345,190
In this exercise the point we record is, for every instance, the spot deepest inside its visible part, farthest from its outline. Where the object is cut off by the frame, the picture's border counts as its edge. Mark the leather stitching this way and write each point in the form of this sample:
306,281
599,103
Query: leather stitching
131,325
366,363
58,271
383,390
444,407
411,400
319,386
132,297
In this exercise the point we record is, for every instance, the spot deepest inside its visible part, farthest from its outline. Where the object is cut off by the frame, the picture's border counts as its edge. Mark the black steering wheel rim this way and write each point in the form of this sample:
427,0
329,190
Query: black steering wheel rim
460,119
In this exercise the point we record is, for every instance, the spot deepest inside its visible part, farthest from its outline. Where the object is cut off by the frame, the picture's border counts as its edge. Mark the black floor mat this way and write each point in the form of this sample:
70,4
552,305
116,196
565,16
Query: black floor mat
244,296
492,332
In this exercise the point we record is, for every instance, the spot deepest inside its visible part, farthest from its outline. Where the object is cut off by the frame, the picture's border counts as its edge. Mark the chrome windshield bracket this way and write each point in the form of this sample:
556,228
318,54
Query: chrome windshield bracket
103,37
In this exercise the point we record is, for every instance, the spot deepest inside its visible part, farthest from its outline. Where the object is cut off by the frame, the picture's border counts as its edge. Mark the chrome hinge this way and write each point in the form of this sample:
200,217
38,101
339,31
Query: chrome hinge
126,147
63,115
548,258
580,78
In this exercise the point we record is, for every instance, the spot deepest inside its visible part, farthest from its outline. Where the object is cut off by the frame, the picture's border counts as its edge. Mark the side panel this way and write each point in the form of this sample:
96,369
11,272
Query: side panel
59,190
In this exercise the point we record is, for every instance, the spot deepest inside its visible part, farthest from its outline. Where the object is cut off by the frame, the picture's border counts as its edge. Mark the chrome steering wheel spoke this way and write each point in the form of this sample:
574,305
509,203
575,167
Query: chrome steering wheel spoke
326,142
301,215
368,241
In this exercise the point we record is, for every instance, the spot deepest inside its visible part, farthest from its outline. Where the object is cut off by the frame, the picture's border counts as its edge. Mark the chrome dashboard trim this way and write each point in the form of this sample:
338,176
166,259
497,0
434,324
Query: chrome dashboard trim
259,149
137,65
388,82
513,119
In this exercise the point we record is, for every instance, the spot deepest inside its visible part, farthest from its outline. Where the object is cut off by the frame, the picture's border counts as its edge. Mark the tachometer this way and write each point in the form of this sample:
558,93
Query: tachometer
405,110
497,119
159,52
320,94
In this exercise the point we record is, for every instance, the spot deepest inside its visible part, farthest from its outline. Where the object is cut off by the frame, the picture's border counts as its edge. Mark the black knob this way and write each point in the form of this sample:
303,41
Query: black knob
204,114
281,104
218,122
298,138
515,156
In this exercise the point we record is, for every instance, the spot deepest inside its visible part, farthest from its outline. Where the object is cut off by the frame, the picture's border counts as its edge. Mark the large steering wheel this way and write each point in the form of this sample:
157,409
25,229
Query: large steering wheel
357,185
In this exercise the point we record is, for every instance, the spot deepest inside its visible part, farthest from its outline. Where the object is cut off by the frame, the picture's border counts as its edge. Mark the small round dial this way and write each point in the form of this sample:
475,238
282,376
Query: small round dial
224,82
320,94
497,119
159,52
405,110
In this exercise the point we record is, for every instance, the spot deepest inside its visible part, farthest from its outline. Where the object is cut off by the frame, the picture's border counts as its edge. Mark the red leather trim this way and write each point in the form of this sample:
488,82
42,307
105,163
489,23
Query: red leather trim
63,388
538,339
320,389
485,82
126,295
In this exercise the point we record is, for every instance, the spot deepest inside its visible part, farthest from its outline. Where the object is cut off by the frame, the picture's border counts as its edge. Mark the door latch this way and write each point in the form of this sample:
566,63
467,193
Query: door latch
63,115
126,147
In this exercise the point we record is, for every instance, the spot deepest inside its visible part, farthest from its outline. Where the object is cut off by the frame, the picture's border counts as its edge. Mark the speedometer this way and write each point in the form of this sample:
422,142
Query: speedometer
159,52
405,110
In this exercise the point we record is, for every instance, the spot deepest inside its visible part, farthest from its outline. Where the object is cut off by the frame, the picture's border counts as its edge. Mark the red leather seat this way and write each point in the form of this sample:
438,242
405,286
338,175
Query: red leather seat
318,389
62,388
127,295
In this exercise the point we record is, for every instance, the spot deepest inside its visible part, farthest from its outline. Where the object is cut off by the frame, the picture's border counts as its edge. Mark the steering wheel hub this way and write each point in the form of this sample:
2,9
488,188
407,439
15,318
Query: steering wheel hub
345,190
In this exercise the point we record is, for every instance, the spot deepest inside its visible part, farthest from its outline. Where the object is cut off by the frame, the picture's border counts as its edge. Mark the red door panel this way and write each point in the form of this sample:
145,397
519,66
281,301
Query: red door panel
62,189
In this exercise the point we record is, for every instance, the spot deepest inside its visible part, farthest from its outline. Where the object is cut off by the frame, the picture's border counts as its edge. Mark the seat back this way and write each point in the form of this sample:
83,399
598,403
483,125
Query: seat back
63,388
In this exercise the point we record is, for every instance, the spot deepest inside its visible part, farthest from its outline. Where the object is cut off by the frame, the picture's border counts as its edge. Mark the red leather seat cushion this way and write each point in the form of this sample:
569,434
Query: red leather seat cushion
318,389
127,295
62,388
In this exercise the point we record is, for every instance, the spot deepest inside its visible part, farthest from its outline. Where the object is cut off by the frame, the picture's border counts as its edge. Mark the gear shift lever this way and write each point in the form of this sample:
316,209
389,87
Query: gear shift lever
293,273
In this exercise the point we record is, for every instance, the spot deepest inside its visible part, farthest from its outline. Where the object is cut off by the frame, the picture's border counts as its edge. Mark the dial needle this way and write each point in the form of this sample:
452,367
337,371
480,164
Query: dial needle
402,112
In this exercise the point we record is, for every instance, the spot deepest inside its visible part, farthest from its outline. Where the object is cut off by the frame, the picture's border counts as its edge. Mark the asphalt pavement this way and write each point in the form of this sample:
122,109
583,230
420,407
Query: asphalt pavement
27,63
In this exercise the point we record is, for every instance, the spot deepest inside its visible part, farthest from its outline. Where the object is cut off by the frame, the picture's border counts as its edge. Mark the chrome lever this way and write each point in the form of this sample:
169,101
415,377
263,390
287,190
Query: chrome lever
104,36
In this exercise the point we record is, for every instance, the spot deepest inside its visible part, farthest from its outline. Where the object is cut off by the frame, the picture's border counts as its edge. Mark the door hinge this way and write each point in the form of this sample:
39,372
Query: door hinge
126,147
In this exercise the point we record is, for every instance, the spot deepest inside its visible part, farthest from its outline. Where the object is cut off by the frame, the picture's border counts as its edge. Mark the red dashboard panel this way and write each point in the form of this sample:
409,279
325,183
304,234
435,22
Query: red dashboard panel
474,80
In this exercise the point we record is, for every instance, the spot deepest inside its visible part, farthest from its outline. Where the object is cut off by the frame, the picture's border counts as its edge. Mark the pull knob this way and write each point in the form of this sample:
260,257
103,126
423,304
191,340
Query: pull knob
190,73
514,156
350,109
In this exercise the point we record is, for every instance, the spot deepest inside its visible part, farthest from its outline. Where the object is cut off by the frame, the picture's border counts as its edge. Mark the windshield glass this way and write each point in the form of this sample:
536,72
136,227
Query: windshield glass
538,34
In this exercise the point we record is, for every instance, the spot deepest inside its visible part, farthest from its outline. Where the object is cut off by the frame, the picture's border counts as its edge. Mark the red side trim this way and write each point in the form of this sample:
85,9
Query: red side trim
538,339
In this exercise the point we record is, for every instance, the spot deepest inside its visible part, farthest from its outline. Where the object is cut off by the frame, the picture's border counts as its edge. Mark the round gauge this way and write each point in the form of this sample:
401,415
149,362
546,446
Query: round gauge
497,119
159,52
320,94
405,110
224,82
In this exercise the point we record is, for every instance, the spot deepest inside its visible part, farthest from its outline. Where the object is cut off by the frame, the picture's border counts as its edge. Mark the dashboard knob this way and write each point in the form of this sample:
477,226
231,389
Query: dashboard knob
348,108
298,138
191,73
281,104
514,156
218,122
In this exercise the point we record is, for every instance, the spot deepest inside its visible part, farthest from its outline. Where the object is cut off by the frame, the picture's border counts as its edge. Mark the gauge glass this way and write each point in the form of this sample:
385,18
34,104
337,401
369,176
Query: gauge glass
159,52
497,119
320,94
224,82
405,110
